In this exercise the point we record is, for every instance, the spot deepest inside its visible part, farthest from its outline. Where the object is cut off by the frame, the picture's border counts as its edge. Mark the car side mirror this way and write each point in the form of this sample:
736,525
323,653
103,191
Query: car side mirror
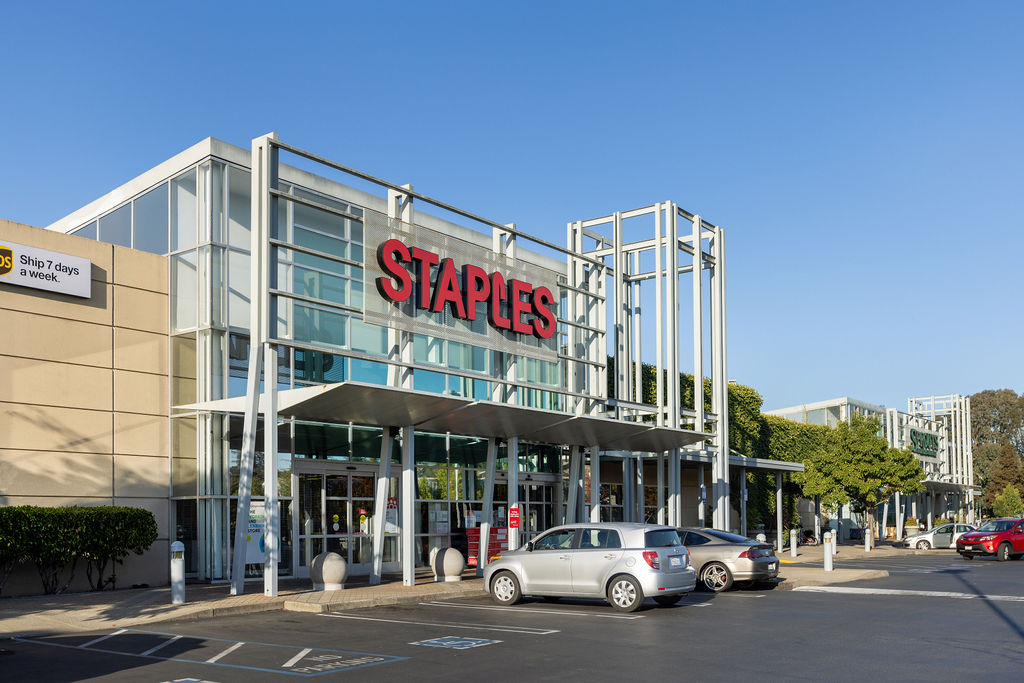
529,547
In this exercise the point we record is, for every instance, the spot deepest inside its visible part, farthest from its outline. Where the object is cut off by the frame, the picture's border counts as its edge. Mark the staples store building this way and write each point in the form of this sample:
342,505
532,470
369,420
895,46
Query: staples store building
433,374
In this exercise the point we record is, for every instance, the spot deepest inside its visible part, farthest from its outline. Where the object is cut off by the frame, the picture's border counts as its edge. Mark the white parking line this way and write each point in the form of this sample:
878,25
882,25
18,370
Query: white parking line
163,644
102,638
291,662
535,611
481,627
907,593
213,659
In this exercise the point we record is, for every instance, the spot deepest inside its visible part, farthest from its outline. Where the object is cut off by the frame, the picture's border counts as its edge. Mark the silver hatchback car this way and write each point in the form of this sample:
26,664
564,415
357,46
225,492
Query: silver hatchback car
619,561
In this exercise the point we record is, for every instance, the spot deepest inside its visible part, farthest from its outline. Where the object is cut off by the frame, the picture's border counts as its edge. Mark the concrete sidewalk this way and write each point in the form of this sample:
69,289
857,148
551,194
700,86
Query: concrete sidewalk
795,572
74,612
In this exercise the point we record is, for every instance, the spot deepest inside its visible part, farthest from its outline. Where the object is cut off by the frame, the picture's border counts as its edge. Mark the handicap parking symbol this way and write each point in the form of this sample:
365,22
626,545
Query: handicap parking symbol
456,642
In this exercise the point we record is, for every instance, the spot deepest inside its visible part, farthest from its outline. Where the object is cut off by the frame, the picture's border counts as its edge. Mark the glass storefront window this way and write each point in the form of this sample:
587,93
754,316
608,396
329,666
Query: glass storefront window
320,326
184,299
116,226
369,371
88,232
183,211
183,369
150,222
238,289
217,228
239,208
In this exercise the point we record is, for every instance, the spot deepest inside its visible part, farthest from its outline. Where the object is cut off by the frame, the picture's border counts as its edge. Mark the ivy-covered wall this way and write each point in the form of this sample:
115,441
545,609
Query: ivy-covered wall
752,434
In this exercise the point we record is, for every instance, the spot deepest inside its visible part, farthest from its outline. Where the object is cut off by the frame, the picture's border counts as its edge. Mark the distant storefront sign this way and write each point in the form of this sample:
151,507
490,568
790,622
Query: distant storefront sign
42,269
924,443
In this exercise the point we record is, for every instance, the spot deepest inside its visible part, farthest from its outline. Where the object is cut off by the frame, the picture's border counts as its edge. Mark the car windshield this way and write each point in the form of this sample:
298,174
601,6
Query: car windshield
727,537
662,538
998,525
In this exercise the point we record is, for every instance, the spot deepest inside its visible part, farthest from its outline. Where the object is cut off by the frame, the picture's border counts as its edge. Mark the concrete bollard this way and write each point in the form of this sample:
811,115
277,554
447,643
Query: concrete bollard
867,540
177,573
835,542
828,551
794,534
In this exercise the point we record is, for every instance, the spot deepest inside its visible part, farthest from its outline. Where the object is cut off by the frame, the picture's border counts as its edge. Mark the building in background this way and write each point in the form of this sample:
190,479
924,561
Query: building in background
937,429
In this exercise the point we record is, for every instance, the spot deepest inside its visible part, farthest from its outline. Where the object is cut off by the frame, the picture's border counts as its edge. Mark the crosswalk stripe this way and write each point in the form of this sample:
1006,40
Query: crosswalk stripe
849,590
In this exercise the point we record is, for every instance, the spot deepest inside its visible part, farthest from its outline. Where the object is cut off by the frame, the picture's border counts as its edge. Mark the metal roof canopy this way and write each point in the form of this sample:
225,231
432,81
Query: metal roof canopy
381,406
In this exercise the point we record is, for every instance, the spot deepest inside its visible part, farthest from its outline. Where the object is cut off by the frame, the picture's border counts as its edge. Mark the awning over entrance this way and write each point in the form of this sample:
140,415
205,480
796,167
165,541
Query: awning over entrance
380,406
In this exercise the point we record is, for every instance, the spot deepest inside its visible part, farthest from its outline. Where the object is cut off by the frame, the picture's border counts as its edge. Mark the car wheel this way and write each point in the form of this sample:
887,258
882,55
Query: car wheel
505,589
625,594
967,557
1003,554
716,577
667,600
923,545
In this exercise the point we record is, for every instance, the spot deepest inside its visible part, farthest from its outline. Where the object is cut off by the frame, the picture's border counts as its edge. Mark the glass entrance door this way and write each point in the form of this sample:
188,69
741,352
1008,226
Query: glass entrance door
335,513
537,499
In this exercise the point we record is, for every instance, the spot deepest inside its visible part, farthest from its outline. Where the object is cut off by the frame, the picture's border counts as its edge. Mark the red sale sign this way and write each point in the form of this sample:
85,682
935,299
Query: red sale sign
513,518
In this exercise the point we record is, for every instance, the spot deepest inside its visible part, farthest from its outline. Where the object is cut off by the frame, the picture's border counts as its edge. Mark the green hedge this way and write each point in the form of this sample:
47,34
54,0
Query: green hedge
55,539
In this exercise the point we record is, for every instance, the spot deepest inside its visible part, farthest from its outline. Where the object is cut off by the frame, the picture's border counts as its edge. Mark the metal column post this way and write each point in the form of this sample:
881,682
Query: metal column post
572,504
661,488
595,484
272,530
380,507
778,510
702,494
743,501
513,488
407,507
487,513
263,163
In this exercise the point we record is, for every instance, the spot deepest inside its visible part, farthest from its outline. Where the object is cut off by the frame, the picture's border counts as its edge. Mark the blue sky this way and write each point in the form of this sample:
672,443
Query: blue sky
864,158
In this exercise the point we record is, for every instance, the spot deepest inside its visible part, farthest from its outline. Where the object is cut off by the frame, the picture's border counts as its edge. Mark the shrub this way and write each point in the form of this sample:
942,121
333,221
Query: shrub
53,544
13,531
911,521
110,534
55,539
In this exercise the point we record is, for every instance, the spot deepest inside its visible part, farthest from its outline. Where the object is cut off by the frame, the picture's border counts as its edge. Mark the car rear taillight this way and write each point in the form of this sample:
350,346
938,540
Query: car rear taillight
751,553
651,558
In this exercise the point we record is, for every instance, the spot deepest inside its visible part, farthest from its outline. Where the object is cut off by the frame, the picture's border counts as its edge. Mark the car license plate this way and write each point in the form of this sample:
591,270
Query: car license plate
675,561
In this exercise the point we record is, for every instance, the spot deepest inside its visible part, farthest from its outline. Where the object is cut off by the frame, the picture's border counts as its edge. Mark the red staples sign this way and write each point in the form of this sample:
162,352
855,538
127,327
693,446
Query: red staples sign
511,304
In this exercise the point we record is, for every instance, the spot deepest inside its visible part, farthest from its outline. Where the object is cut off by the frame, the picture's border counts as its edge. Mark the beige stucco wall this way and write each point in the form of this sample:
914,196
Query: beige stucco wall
84,393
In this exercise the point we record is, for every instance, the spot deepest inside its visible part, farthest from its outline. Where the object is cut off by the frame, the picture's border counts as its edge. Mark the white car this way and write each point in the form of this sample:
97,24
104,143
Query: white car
940,537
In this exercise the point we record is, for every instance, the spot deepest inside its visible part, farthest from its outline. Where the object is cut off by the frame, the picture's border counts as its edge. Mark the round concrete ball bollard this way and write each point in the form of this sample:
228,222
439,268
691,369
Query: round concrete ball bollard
328,572
448,565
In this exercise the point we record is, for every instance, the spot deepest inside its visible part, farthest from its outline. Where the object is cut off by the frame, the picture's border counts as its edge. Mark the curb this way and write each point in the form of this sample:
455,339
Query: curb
467,588
826,579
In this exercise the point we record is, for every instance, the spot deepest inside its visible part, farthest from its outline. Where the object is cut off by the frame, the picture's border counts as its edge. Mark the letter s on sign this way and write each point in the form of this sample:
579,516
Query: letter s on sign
544,323
390,256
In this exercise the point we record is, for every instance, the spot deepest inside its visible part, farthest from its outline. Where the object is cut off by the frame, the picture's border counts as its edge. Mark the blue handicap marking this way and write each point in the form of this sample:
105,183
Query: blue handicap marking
456,642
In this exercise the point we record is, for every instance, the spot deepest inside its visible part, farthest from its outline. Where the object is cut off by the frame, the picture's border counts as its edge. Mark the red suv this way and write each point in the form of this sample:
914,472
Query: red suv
1003,538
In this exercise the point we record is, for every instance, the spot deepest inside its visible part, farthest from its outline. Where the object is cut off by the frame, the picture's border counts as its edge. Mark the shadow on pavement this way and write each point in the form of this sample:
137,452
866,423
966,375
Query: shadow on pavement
991,604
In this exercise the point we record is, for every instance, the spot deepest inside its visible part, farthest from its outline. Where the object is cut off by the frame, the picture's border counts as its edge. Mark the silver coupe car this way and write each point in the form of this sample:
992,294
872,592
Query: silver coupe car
721,558
619,561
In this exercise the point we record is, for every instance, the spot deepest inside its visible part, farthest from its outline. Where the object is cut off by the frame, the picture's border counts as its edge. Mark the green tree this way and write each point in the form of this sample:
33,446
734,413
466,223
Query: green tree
853,464
1008,503
997,416
1006,471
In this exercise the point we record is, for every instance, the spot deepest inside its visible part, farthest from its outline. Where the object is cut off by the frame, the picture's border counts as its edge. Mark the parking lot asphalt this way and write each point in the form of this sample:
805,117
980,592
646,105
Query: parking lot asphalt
72,613
933,617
